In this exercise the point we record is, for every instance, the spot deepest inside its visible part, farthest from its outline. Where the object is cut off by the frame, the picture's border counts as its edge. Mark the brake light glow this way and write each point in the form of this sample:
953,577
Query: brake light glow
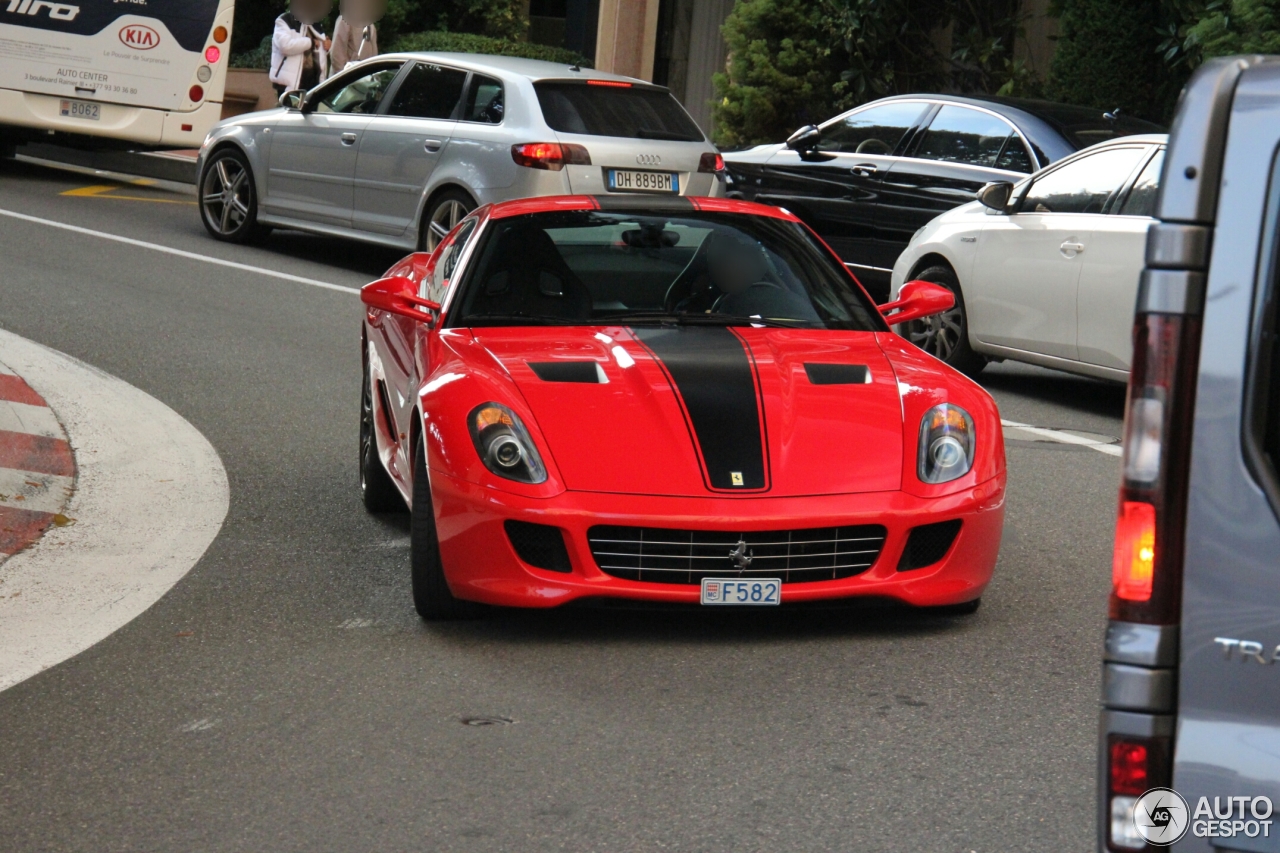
617,84
212,54
1146,569
552,156
1133,565
711,162
1128,768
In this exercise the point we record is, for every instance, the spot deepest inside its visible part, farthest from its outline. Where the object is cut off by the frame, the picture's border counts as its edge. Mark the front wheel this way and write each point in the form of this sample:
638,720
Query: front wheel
945,336
431,594
228,199
446,210
377,490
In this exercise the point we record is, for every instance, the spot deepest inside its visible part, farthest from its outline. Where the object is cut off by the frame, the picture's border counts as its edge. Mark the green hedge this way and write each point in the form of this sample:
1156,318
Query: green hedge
439,42
259,57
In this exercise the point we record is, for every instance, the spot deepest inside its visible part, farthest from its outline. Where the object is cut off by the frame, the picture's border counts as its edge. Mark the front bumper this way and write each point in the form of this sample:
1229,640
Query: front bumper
481,565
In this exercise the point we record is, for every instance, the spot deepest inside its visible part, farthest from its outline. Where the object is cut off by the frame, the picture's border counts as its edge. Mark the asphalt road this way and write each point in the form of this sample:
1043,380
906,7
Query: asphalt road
284,696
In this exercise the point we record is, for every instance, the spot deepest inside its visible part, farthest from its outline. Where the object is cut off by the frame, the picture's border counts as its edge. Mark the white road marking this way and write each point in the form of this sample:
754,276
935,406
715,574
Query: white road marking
152,495
34,492
357,623
1065,438
201,725
34,420
194,256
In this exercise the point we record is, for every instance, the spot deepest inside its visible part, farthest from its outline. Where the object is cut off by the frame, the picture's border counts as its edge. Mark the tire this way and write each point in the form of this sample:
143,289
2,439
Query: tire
946,336
229,199
431,595
445,211
967,608
377,490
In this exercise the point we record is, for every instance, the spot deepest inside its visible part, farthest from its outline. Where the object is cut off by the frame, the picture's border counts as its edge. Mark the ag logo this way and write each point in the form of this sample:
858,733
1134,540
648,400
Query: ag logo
139,37
1161,816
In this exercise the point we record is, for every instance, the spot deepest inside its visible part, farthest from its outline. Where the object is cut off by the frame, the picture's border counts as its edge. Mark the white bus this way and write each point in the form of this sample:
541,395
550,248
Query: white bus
143,71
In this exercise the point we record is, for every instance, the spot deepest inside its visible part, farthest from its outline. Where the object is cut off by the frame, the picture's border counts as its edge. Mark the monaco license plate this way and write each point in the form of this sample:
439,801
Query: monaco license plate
630,181
81,109
758,591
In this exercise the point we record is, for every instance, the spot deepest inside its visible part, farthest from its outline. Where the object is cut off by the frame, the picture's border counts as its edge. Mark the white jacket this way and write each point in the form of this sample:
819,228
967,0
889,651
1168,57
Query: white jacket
287,48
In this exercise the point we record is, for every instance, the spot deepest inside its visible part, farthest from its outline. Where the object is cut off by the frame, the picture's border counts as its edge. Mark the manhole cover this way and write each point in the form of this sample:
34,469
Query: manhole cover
487,721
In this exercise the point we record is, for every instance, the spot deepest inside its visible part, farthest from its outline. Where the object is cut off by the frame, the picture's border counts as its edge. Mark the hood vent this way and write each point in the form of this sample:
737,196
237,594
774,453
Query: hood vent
588,372
838,374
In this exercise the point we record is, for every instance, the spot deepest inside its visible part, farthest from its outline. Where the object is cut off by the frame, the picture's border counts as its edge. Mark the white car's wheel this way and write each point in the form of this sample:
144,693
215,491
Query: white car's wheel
945,336
228,200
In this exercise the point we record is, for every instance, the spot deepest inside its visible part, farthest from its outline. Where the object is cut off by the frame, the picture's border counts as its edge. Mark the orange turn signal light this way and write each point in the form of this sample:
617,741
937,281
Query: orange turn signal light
219,34
1133,563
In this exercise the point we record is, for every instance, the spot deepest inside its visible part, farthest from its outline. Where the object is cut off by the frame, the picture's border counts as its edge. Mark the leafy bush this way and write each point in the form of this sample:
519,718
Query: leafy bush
258,57
468,43
780,73
1108,58
1225,27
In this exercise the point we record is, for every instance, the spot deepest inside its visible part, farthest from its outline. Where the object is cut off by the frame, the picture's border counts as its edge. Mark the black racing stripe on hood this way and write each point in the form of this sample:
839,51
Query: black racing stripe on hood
712,372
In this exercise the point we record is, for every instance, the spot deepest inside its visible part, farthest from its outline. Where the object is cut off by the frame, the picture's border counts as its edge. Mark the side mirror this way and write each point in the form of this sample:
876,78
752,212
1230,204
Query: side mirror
399,295
805,139
916,300
293,99
996,195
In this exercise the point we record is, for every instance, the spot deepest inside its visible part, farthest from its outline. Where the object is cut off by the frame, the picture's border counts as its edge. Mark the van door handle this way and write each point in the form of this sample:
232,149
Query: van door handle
864,170
1072,248
432,145
348,139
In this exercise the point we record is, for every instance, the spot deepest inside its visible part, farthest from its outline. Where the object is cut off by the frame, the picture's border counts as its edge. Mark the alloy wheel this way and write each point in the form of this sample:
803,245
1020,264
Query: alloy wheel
366,431
938,335
226,195
447,214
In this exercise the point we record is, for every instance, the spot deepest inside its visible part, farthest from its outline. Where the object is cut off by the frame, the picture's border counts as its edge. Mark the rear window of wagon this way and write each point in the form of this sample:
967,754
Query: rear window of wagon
632,112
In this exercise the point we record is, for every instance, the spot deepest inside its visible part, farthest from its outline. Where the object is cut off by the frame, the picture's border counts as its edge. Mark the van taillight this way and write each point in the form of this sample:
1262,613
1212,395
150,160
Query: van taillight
1135,765
1147,563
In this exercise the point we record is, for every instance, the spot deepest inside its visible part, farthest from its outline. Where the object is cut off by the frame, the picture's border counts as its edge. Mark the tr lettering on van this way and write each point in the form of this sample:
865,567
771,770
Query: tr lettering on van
1248,650
56,11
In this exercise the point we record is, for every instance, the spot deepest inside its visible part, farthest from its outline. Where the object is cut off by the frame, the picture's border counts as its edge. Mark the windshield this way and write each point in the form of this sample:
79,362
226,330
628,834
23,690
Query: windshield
615,110
596,268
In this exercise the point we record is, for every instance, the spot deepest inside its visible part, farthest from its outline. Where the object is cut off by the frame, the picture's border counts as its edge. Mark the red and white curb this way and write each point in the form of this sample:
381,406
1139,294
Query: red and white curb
147,491
37,467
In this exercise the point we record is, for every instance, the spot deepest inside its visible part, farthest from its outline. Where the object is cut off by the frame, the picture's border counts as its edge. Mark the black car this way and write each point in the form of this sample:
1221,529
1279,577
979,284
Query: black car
867,179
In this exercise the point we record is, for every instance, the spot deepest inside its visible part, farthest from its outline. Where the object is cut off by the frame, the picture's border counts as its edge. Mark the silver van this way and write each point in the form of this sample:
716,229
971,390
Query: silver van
1189,743
398,149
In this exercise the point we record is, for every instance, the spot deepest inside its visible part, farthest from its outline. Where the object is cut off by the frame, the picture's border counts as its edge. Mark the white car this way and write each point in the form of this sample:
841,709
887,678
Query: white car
1046,271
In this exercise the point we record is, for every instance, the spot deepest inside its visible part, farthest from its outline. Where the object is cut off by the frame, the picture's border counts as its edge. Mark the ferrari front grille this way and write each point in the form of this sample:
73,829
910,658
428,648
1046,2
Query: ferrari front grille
659,555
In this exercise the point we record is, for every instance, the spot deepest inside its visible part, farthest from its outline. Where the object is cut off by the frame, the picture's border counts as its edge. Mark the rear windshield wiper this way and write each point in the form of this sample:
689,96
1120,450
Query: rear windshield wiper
646,133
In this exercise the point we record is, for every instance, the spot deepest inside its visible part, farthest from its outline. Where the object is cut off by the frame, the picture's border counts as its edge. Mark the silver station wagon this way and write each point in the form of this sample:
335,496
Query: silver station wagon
397,149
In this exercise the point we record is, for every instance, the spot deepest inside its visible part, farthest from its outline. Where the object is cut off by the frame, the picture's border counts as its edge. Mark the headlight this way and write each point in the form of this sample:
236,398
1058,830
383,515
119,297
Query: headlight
504,444
946,444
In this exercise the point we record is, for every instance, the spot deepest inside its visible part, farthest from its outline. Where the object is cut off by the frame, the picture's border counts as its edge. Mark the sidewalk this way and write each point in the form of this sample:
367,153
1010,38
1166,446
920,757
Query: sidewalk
37,467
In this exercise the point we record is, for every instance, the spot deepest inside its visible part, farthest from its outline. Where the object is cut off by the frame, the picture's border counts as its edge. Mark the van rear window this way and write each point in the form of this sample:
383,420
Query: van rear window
632,112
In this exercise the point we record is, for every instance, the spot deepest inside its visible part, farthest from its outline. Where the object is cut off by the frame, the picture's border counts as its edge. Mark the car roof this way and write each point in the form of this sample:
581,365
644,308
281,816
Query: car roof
1053,128
532,69
638,204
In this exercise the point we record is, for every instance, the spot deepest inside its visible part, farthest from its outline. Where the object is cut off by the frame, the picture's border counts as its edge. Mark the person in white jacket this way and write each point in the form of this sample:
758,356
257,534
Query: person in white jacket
299,50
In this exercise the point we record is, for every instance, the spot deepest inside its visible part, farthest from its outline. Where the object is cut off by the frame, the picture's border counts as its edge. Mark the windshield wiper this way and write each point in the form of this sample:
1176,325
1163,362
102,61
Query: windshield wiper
520,320
688,319
646,133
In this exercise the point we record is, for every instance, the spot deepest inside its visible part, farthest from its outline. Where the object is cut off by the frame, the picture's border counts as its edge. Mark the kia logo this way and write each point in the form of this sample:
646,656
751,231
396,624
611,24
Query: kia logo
139,37
648,160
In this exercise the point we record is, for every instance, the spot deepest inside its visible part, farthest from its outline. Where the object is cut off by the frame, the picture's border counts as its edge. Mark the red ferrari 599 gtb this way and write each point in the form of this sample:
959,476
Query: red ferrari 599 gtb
668,399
